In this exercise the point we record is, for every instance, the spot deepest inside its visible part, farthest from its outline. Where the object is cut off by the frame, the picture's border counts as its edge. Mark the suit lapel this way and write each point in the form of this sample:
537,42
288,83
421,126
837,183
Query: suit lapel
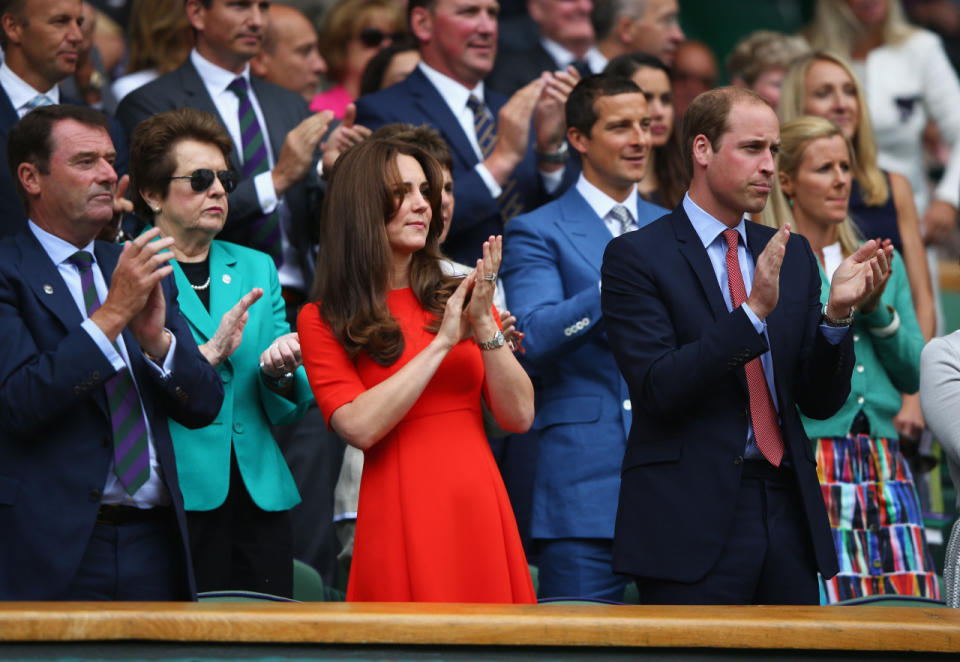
438,114
587,231
696,255
268,104
198,97
226,283
45,281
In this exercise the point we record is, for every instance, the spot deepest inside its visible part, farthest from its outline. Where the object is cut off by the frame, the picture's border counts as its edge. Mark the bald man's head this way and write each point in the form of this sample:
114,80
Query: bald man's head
290,56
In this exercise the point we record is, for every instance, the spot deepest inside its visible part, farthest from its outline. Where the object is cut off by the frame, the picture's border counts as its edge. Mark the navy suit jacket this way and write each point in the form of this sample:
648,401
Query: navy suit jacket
682,354
13,219
416,101
551,270
55,432
282,110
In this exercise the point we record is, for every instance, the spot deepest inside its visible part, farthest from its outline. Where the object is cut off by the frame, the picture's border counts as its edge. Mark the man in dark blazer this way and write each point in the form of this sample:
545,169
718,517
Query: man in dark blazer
565,39
39,54
90,505
719,498
512,164
228,36
551,270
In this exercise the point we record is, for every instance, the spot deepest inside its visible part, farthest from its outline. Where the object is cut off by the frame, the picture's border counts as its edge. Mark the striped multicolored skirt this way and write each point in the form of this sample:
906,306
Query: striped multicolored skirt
876,520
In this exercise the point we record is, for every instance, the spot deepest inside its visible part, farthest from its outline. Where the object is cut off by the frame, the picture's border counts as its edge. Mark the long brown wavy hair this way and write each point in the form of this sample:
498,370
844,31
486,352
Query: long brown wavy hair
355,259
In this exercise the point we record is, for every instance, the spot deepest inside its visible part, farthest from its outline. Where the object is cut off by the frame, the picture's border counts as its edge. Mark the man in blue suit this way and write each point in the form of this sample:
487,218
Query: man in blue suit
95,358
719,498
551,269
502,165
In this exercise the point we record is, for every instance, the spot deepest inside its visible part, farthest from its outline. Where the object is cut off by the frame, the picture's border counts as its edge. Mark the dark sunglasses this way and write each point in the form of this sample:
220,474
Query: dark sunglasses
372,37
202,179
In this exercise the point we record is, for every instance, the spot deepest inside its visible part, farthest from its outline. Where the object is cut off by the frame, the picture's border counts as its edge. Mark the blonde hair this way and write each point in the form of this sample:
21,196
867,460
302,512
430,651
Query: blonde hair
835,28
876,192
795,137
762,51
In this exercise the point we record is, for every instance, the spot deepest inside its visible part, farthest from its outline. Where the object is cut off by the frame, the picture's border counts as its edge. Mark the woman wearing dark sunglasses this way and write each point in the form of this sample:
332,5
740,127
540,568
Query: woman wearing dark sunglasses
353,32
236,486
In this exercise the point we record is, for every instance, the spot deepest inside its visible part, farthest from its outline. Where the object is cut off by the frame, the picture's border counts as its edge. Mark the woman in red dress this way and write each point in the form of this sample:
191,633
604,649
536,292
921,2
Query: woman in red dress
399,356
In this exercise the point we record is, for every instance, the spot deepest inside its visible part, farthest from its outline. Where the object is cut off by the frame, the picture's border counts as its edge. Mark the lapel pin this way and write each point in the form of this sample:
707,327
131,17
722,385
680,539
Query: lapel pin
48,288
226,278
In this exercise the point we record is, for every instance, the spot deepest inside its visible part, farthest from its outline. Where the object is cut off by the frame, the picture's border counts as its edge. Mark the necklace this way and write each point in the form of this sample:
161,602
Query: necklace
200,288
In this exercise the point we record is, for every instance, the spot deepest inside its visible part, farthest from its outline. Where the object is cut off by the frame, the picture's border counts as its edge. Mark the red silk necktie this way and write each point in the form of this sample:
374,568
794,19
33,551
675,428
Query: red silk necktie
766,428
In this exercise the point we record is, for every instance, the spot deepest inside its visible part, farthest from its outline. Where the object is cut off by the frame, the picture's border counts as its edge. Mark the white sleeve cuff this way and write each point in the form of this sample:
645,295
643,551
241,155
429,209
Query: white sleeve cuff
266,193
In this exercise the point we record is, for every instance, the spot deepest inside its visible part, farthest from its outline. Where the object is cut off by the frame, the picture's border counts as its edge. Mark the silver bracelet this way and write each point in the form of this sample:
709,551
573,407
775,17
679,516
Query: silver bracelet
889,329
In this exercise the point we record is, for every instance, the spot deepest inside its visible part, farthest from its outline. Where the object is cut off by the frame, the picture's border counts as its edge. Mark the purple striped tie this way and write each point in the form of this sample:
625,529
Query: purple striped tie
131,454
266,229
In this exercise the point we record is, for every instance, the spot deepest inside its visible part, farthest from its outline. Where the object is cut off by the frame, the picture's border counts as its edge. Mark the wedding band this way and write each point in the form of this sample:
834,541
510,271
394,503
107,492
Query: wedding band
490,277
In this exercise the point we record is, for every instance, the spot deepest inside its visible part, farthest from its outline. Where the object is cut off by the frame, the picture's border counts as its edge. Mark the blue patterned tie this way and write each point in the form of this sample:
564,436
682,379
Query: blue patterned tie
266,229
509,200
37,101
131,453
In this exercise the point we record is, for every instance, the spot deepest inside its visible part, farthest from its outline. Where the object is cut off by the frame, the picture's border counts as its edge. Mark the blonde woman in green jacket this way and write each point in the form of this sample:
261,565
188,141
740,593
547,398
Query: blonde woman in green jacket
869,492
236,485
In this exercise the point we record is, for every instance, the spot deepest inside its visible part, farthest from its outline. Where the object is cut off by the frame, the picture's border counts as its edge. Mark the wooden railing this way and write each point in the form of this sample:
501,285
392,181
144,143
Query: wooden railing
862,628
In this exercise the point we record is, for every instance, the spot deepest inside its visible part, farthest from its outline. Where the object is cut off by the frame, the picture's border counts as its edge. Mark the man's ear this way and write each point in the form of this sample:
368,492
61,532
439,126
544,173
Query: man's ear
12,26
623,30
421,24
29,176
196,13
580,142
702,150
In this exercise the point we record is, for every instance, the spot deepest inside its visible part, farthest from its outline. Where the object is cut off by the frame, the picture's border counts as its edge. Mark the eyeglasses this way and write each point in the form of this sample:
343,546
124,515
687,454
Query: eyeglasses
202,179
372,37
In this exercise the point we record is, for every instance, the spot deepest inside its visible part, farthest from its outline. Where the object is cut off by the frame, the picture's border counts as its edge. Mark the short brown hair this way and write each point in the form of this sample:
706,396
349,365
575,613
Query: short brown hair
31,139
151,150
709,115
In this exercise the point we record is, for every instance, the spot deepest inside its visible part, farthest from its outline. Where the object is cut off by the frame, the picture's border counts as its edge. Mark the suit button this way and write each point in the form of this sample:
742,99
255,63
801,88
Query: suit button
627,405
567,331
856,337
95,376
738,460
225,377
94,496
586,322
859,368
860,400
238,428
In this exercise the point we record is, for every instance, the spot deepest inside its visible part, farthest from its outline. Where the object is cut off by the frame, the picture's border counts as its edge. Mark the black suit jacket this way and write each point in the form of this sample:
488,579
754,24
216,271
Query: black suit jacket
282,109
55,431
682,355
13,218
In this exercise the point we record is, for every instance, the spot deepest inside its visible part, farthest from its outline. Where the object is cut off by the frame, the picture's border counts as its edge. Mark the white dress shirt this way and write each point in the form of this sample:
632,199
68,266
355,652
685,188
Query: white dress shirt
22,93
601,203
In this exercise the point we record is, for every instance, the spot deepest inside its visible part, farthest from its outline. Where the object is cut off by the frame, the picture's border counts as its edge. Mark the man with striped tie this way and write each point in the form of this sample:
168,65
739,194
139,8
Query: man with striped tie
276,139
41,40
96,357
508,155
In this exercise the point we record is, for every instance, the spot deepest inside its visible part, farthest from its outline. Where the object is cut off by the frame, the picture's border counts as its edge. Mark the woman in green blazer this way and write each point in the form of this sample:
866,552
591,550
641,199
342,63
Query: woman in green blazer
236,485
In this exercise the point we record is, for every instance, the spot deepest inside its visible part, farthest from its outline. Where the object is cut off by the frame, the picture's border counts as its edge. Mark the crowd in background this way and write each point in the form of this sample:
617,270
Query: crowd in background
388,222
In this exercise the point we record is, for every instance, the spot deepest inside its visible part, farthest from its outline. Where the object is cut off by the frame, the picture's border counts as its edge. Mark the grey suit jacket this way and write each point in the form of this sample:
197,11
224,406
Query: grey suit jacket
282,109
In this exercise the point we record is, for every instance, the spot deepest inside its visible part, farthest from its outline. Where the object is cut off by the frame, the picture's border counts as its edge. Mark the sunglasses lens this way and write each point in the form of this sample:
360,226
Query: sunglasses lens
229,180
371,37
200,180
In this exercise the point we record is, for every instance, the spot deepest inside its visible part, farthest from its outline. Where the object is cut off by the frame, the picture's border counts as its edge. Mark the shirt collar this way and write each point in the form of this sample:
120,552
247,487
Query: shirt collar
601,203
21,92
706,226
562,57
453,93
214,76
58,249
